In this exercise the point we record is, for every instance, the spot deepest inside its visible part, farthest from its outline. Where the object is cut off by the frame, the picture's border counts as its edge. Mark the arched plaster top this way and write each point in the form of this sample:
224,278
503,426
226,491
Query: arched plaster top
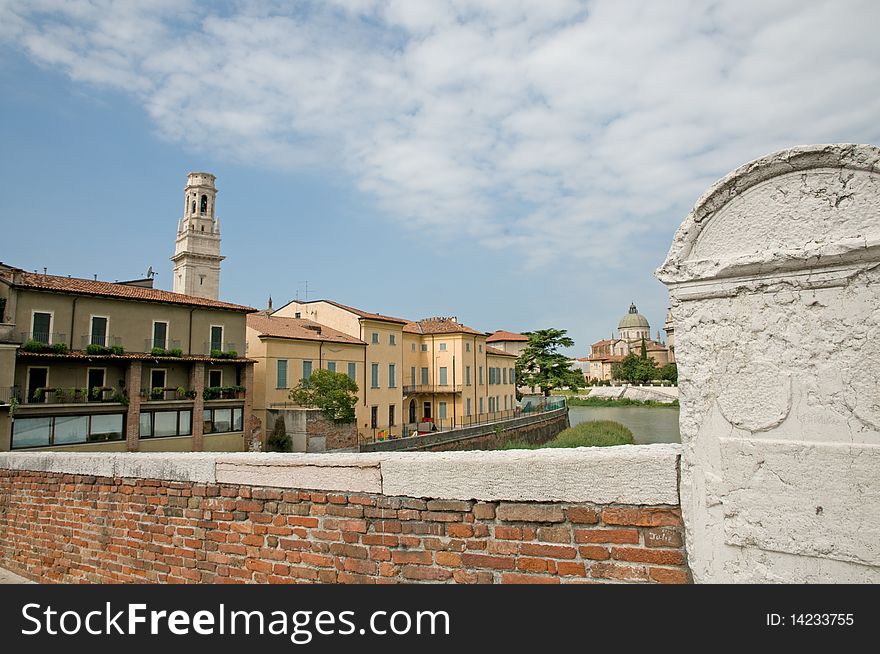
681,265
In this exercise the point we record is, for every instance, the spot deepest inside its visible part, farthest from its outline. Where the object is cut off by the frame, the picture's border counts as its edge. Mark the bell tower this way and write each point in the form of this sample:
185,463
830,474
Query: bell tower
197,251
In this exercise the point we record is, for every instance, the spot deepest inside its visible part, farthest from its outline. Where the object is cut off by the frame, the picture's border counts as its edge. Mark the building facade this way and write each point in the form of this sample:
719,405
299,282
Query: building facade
633,330
93,365
412,375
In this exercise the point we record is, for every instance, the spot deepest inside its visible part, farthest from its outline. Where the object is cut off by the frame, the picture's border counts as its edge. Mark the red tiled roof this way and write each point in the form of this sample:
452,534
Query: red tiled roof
297,328
606,341
610,357
363,314
501,335
79,286
438,326
496,351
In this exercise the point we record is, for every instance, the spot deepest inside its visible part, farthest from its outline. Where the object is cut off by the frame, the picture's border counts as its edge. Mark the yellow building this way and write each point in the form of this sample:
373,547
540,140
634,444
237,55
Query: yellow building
411,374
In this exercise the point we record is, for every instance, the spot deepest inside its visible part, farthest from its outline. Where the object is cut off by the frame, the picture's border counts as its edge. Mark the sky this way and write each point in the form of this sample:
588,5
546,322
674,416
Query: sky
519,165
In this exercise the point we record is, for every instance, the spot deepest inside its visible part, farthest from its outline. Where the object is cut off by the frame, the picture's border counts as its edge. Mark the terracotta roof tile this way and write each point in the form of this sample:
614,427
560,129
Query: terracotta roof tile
496,351
438,326
501,335
297,328
79,286
363,314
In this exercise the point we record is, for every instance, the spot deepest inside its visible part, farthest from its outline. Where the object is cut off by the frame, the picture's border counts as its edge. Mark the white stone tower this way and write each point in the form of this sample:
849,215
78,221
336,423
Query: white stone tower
197,252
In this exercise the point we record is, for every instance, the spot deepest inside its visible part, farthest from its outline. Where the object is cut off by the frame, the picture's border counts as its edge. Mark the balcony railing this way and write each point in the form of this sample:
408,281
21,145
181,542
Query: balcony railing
106,341
9,393
211,348
47,338
413,389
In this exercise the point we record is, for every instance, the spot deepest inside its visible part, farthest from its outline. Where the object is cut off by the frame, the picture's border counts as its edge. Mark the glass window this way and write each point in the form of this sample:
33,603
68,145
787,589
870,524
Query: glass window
146,425
424,347
31,432
424,376
412,376
392,339
352,371
160,334
467,347
481,347
442,409
207,422
307,369
41,326
512,375
374,375
331,366
237,420
391,375
467,375
391,416
468,409
481,405
99,331
375,337
106,427
281,373
165,423
185,423
481,380
413,347
443,376
71,429
222,420
215,378
442,347
216,338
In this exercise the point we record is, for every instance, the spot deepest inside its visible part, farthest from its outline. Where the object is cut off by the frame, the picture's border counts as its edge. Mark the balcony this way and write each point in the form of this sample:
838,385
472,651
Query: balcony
105,342
416,389
221,350
8,394
45,338
166,345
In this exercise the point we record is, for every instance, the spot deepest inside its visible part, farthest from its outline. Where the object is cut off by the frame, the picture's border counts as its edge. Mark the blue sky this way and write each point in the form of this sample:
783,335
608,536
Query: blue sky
517,164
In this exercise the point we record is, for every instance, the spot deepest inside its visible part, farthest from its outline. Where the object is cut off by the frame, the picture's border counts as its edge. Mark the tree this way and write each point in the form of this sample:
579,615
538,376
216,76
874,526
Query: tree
333,392
669,372
279,440
634,369
542,365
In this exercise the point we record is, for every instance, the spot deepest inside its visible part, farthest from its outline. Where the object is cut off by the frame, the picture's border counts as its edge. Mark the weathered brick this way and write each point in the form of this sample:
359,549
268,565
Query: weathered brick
420,558
514,533
448,559
594,552
669,575
460,531
516,512
642,516
663,537
570,569
639,555
630,536
529,564
472,577
484,511
487,561
441,516
554,534
549,551
582,515
517,578
425,573
616,571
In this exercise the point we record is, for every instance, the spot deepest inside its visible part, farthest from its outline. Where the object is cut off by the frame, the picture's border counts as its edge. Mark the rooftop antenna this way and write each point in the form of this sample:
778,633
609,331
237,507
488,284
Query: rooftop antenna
45,270
151,273
306,298
95,276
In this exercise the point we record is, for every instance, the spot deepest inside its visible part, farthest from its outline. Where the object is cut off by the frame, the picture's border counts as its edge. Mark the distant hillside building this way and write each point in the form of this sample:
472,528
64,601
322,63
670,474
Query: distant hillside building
632,330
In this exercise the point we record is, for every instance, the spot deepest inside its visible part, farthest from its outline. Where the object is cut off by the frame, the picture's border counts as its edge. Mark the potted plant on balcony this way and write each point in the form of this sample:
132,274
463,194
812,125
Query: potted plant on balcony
102,393
60,396
239,392
211,393
156,393
227,392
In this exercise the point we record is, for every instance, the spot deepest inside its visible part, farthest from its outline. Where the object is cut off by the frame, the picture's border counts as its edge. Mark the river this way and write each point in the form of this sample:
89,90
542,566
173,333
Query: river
648,424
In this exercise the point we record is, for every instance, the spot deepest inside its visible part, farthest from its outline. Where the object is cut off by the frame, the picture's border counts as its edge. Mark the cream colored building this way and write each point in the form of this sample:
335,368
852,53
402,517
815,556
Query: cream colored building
197,248
632,330
412,373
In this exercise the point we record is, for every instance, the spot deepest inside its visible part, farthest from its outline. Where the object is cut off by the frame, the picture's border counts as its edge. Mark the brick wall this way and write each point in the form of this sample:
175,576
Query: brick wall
57,527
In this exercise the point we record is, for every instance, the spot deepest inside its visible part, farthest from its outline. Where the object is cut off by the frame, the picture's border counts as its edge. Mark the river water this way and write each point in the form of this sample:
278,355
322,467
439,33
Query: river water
648,424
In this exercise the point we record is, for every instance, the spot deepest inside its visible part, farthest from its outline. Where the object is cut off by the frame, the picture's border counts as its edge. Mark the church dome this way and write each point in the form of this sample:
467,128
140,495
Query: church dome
633,319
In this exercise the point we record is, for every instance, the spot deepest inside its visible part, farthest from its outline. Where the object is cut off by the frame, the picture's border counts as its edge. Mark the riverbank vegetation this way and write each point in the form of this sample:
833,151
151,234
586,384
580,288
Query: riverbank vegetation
623,401
594,433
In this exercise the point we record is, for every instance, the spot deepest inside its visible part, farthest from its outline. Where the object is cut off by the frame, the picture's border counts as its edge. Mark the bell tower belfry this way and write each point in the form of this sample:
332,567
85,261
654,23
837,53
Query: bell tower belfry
197,251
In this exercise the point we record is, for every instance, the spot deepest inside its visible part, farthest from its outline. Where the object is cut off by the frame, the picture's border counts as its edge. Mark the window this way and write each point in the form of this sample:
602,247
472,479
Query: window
442,410
467,347
505,403
160,335
391,415
442,347
157,379
481,405
331,366
443,376
424,376
218,421
467,375
413,347
481,378
215,378
281,373
467,410
512,375
491,376
216,337
374,375
391,382
42,327
352,371
427,410
203,207
412,376
392,339
424,347
298,314
98,334
64,430
374,417
307,369
375,338
491,404
481,347
95,379
504,380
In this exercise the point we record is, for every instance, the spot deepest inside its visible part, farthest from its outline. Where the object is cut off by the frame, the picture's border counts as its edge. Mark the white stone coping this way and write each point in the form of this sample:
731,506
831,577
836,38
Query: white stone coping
624,474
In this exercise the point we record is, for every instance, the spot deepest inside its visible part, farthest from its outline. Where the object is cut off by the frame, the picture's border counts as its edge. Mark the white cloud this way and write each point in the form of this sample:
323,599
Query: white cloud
560,129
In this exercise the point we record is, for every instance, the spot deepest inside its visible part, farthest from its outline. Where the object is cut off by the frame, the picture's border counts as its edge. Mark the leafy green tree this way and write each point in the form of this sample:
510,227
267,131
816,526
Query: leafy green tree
634,369
333,392
279,440
669,372
541,364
